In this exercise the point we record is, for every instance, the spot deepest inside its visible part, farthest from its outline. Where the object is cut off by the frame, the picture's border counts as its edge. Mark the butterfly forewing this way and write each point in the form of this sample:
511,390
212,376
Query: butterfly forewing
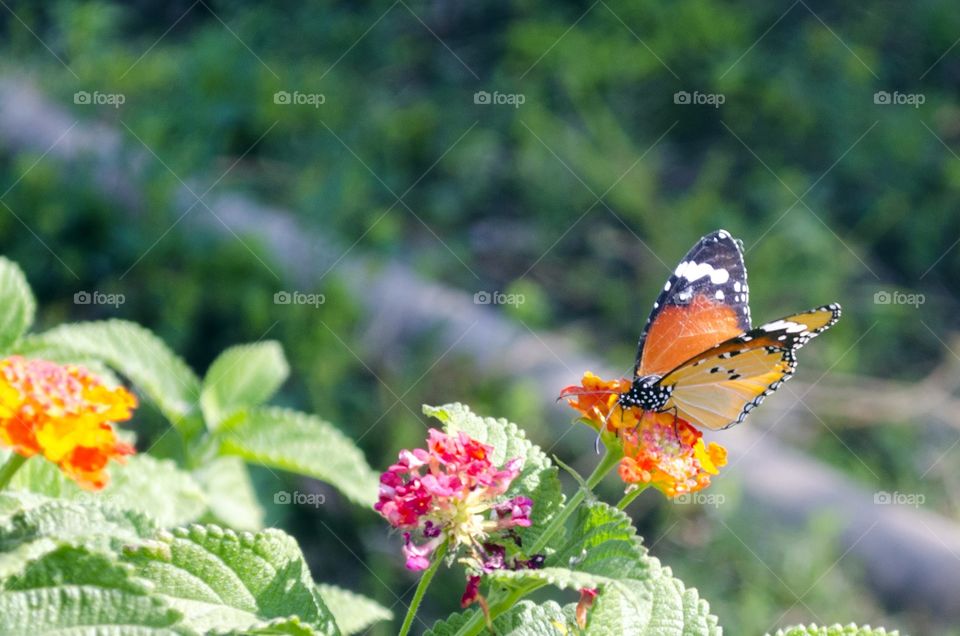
720,386
703,303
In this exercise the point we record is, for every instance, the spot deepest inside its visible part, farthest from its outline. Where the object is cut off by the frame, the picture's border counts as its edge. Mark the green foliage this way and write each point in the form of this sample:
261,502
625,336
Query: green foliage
17,300
240,377
303,444
67,563
156,487
524,619
834,630
132,351
354,613
222,580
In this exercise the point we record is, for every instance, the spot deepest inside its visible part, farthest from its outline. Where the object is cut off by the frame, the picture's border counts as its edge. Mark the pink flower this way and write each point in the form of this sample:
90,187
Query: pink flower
451,492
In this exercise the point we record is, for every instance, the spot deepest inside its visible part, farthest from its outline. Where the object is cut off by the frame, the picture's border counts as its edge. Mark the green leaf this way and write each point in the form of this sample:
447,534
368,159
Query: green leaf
134,352
37,525
240,377
523,619
539,478
223,580
835,630
73,590
230,493
17,303
353,613
637,595
156,487
303,444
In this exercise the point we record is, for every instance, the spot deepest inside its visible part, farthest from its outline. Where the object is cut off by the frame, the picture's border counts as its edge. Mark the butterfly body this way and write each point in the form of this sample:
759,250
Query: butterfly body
698,354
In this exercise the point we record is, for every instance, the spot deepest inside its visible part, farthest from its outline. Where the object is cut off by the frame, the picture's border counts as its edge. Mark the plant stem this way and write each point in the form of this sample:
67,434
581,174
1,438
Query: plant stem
630,496
13,465
606,464
422,586
497,607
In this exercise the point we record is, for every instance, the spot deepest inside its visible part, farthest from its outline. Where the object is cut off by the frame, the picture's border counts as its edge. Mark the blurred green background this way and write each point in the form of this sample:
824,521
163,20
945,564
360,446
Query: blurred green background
580,198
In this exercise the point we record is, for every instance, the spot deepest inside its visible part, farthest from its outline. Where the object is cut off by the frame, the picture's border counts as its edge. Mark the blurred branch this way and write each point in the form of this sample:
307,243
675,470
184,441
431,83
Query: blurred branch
910,555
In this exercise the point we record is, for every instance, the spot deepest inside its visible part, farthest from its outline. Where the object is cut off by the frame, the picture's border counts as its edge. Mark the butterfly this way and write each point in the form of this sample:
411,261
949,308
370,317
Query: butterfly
698,355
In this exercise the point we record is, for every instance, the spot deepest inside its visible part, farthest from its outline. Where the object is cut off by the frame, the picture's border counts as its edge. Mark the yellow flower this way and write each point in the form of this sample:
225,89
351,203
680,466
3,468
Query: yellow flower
659,449
65,414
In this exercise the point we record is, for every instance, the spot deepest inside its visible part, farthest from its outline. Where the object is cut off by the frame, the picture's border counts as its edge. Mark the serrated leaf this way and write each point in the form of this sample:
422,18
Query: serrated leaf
74,590
39,525
539,478
17,305
156,487
354,613
230,493
241,377
835,630
524,619
222,580
637,595
134,352
303,444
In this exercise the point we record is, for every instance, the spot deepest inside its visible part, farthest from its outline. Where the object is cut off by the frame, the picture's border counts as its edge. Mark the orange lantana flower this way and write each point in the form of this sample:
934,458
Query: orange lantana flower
659,449
64,413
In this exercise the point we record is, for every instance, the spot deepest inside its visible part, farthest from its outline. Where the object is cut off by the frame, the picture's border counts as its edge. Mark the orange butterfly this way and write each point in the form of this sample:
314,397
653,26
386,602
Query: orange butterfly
698,355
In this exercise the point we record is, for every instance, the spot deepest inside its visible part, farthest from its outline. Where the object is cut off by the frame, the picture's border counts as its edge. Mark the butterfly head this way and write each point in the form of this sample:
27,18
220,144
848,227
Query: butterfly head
646,393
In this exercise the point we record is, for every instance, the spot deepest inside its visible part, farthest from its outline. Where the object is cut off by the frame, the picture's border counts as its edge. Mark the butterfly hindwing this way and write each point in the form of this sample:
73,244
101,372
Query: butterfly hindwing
720,386
703,303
